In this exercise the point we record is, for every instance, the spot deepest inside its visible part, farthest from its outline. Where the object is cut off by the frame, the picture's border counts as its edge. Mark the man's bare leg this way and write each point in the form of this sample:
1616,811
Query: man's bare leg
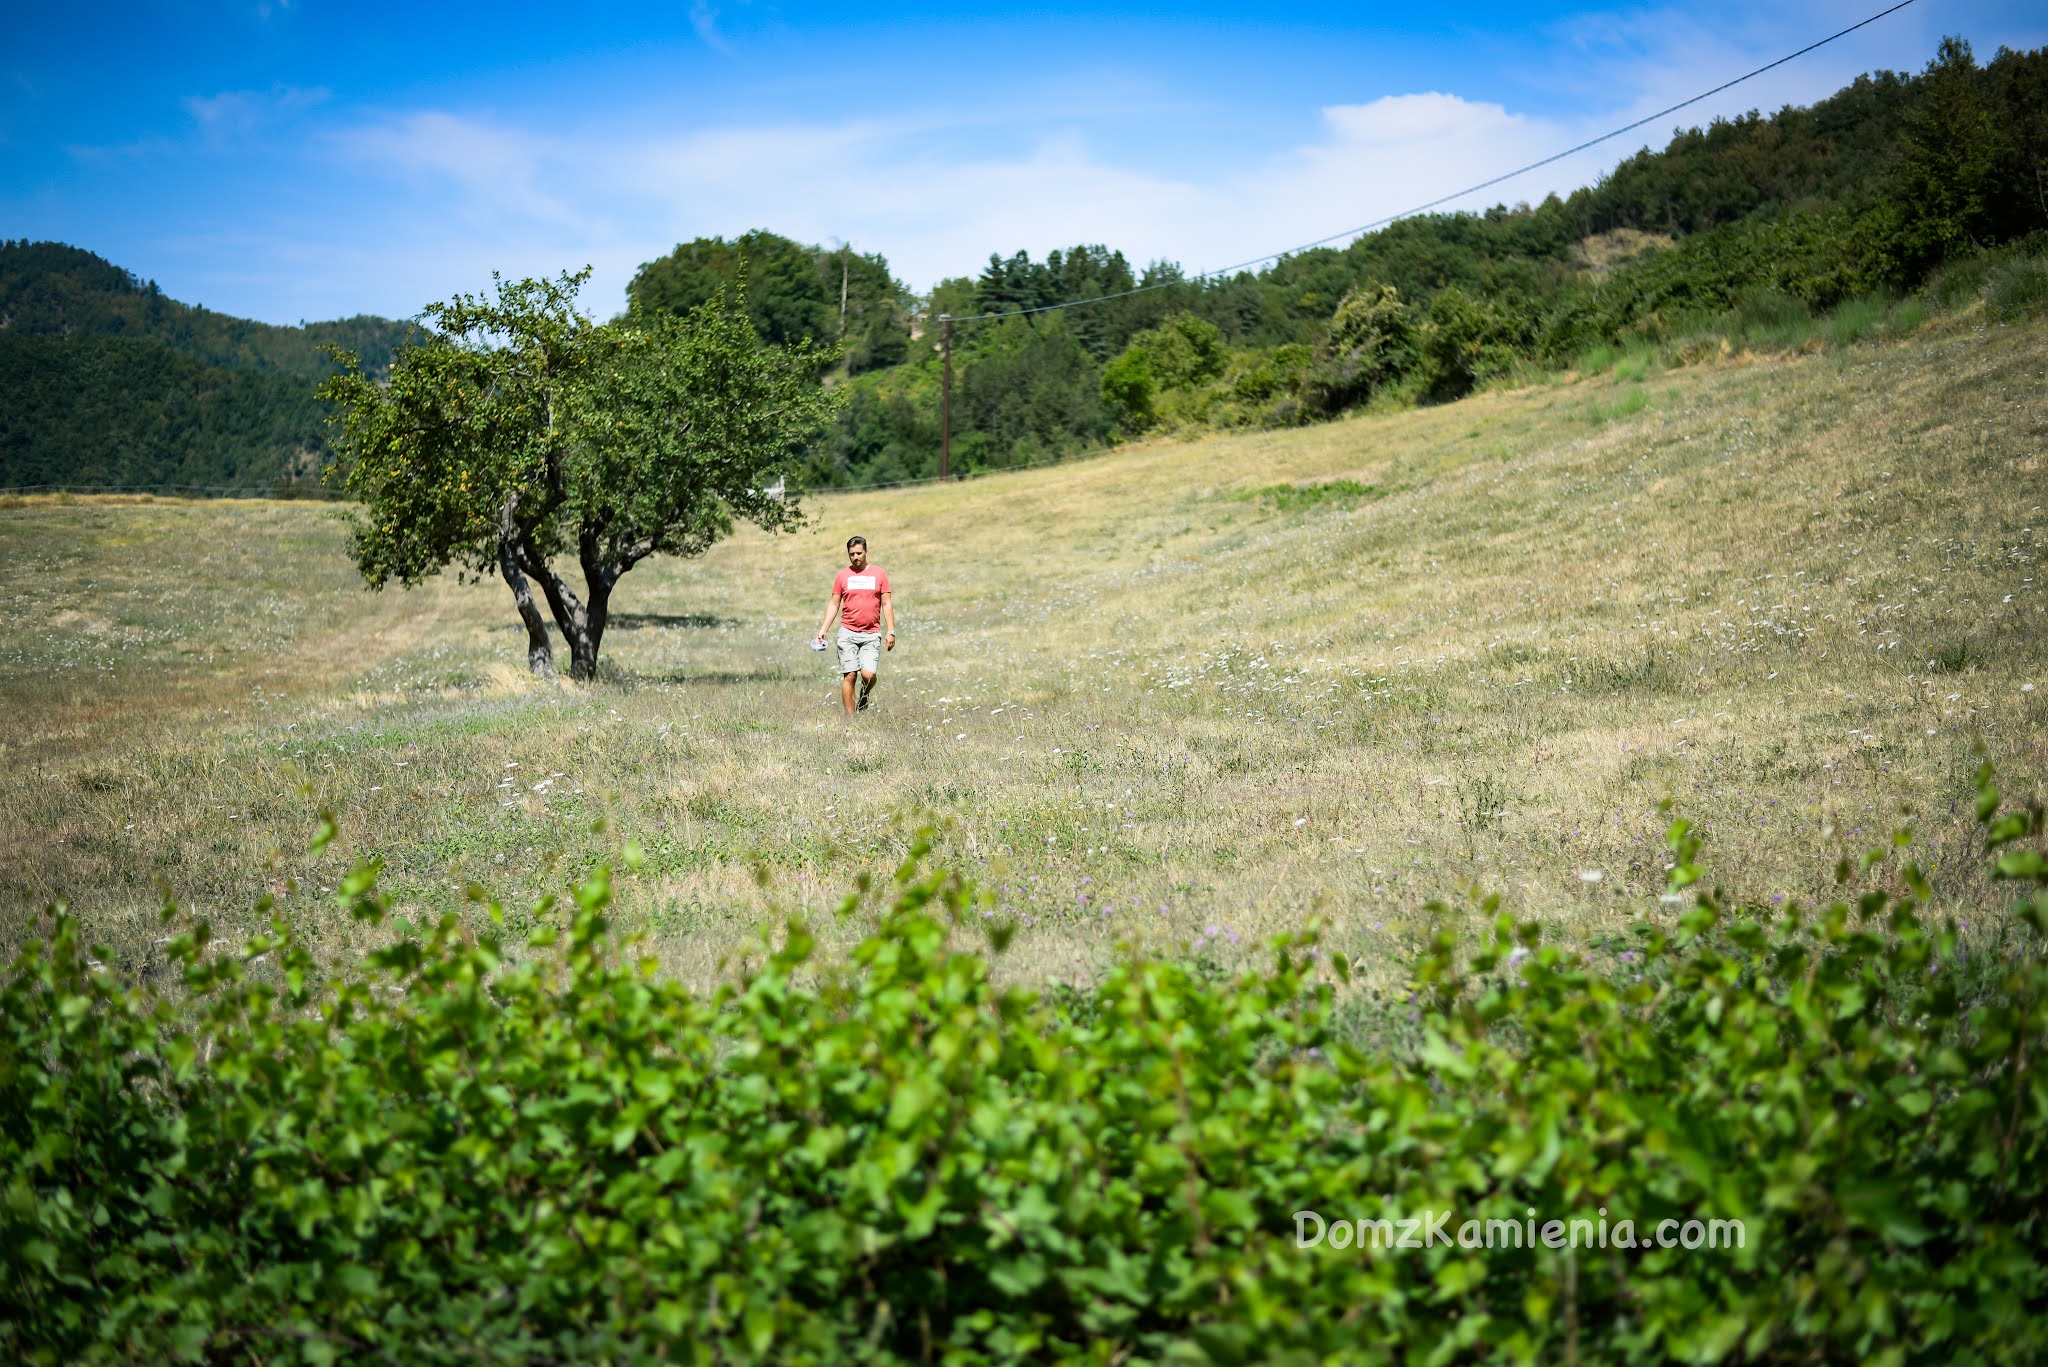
846,692
867,685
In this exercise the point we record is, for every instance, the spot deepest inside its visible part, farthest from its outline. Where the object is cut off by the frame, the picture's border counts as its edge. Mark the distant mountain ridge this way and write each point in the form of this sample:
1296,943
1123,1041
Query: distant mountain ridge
49,289
107,382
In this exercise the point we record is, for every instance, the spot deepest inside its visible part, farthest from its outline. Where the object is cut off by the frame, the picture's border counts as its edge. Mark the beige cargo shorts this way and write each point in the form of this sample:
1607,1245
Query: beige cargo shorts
859,650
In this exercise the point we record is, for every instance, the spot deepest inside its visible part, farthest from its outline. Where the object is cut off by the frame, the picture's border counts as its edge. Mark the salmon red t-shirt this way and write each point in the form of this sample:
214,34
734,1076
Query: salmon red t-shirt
860,597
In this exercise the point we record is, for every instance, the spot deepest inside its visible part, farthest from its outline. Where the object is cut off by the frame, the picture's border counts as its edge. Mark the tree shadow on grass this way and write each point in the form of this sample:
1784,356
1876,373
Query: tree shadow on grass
714,678
640,621
637,621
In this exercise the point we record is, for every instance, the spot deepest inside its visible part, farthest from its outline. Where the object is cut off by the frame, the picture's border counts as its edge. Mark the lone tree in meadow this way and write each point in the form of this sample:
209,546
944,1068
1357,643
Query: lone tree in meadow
520,434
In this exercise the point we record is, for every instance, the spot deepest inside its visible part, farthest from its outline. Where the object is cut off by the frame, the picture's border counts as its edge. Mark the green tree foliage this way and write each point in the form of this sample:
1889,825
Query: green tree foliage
1464,340
790,292
131,412
1837,149
520,434
1024,390
1814,258
776,280
953,296
2019,95
1949,153
1019,283
1085,272
468,1148
1376,330
1030,390
1371,344
1130,391
887,432
1268,386
1184,353
875,330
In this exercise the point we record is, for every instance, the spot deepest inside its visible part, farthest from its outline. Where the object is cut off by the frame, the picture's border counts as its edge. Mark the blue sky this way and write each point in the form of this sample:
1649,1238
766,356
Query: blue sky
314,159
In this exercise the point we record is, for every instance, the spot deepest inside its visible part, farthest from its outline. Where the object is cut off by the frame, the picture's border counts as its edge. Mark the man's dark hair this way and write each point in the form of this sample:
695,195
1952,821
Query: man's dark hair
853,541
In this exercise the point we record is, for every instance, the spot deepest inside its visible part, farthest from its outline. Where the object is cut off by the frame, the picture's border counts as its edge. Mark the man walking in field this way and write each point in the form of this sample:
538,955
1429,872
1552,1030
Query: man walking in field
860,597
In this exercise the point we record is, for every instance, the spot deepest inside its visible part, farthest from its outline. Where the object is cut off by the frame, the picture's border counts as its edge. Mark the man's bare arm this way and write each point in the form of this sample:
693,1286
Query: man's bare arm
831,611
889,621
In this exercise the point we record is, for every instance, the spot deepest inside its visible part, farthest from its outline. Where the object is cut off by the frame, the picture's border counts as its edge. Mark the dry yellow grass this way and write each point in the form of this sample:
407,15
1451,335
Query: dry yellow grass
1792,596
1602,252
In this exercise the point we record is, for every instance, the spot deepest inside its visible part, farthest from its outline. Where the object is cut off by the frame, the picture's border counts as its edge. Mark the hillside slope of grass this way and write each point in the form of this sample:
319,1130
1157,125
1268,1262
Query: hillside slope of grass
1187,693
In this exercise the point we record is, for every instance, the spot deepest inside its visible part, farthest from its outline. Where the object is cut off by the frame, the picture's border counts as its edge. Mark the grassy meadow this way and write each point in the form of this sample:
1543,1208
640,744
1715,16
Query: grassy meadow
1187,693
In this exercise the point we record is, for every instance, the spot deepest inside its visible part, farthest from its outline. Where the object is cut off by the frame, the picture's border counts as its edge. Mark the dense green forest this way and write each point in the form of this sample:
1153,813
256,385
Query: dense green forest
1900,194
106,382
792,293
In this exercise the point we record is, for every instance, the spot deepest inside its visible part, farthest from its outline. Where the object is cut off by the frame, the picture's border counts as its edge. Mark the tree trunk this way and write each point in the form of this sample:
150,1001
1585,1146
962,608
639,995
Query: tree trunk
571,615
583,650
540,656
599,576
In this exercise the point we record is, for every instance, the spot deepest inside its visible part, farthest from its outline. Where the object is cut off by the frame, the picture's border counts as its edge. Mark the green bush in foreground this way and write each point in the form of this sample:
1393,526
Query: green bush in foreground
460,1156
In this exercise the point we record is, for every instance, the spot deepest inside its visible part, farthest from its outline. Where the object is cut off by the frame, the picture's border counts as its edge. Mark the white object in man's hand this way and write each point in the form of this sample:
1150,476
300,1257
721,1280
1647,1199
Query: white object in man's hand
818,643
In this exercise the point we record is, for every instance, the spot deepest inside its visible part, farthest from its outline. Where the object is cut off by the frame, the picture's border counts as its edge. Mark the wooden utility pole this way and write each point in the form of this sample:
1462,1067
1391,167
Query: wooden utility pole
946,397
843,264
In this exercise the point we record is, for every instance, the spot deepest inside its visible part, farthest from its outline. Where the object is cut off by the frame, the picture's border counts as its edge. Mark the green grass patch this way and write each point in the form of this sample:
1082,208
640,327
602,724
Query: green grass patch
1957,282
1634,367
1334,493
1855,319
1771,320
1630,403
2017,288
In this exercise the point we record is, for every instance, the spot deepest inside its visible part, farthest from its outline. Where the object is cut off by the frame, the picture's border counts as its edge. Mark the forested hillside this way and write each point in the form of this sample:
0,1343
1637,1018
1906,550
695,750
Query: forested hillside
1757,233
105,381
792,292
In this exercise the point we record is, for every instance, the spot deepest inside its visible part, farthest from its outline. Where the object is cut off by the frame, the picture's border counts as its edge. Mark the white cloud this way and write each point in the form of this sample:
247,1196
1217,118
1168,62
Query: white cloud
1395,155
1407,121
473,170
704,19
617,199
236,114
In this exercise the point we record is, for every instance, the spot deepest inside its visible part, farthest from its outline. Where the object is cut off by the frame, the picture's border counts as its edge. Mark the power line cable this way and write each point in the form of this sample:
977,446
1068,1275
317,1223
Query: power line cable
1444,199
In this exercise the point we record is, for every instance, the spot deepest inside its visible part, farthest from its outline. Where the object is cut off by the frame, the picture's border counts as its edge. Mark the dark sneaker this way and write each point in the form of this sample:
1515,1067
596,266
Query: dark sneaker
863,704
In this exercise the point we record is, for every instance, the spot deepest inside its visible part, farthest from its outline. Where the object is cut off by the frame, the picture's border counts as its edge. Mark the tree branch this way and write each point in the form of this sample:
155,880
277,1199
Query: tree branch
562,600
